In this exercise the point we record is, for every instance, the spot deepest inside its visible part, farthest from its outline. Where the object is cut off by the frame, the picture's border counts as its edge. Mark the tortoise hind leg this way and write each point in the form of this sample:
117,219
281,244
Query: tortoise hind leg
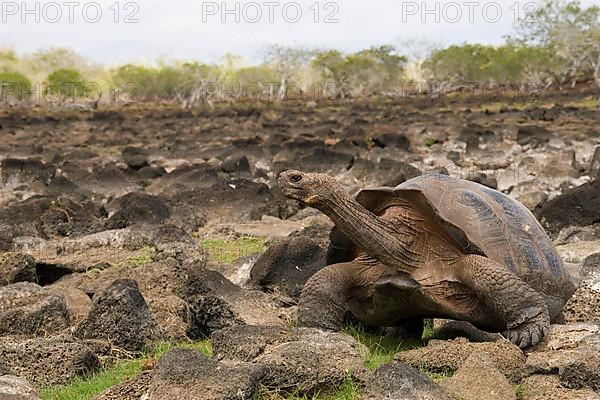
518,305
324,302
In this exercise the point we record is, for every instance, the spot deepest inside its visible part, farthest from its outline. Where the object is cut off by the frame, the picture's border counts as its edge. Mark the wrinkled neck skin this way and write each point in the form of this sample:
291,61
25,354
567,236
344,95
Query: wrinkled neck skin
387,242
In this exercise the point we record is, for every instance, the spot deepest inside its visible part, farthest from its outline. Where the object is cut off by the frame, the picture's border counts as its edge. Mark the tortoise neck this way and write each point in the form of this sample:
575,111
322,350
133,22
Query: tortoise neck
388,242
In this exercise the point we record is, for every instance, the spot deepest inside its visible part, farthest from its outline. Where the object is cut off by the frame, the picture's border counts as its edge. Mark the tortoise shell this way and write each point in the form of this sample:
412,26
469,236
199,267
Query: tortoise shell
481,220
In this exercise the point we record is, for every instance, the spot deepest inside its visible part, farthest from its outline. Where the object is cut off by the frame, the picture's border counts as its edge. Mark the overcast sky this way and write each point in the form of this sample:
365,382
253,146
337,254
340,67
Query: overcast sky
188,29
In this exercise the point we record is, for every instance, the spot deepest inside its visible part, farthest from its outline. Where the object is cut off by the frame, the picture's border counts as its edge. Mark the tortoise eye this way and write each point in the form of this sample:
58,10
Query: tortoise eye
295,178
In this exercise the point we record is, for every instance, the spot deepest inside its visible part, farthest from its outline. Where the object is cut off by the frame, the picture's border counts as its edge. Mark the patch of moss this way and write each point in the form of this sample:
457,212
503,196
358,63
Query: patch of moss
590,103
228,250
429,142
144,256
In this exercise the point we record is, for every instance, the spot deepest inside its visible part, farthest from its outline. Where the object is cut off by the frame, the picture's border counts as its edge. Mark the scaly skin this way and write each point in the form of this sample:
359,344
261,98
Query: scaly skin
514,301
324,304
326,298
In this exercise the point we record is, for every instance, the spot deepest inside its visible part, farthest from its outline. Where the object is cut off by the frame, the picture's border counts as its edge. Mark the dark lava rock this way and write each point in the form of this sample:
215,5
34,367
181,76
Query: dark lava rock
317,231
207,293
167,233
579,206
583,306
246,342
287,265
393,172
15,170
341,249
184,179
66,217
387,136
398,381
4,370
121,316
303,360
61,186
236,164
583,372
150,172
186,374
235,200
474,134
387,172
106,180
571,351
46,362
533,135
21,219
214,302
17,267
35,315
485,180
135,157
449,355
136,208
479,379
595,164
18,294
320,159
132,389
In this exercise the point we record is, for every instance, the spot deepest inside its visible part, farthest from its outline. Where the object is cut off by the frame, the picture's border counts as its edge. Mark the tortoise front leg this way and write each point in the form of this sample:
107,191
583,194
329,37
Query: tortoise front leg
518,305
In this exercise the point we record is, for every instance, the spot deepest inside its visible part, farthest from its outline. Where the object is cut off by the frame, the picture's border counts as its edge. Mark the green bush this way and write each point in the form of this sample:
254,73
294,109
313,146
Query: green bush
163,82
14,86
476,63
66,84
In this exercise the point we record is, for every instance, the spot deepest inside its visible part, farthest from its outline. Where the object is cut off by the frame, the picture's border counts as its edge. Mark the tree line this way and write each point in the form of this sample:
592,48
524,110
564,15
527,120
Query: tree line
556,46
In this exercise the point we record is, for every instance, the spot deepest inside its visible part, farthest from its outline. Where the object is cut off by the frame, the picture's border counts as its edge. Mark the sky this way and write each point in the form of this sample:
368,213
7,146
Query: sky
112,32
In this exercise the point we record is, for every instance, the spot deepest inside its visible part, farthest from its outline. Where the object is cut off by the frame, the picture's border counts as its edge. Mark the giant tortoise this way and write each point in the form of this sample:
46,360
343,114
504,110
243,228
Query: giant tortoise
432,247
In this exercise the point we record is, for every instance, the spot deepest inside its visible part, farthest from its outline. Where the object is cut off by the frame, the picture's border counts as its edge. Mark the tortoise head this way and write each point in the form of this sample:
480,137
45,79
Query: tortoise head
312,189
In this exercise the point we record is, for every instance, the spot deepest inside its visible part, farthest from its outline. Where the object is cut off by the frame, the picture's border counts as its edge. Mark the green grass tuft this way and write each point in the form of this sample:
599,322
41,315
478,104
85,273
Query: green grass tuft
436,375
87,387
382,349
429,142
346,391
520,392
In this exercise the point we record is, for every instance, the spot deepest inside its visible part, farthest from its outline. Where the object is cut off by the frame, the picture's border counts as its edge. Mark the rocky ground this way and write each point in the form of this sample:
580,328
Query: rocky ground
127,228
